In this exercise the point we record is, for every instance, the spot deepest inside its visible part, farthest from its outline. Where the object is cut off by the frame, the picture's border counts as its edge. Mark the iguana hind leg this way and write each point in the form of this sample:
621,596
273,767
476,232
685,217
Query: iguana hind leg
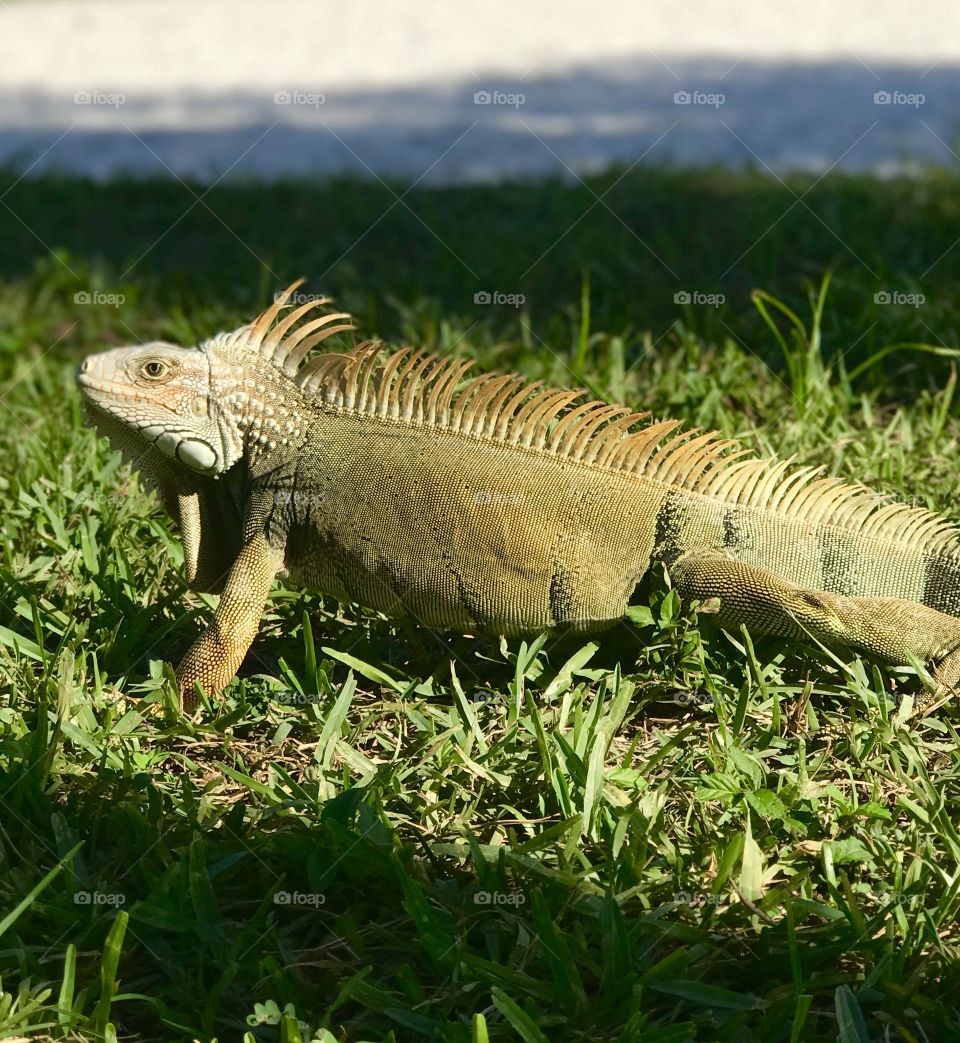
218,652
893,629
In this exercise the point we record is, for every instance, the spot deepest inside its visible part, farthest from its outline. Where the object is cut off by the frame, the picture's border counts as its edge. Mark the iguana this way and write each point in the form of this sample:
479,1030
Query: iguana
492,505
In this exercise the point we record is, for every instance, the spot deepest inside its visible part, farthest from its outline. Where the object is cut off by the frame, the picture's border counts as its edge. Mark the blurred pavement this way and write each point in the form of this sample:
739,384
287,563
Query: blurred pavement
448,92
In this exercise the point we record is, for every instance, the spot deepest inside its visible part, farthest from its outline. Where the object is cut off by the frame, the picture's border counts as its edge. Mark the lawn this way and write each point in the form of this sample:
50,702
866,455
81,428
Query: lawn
382,832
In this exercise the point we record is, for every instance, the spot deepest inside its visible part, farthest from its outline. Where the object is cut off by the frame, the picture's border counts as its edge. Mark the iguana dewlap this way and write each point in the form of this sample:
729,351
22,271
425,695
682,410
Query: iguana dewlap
493,505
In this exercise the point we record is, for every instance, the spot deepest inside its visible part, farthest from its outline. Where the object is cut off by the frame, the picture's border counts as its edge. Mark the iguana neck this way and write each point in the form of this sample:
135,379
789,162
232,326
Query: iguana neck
262,414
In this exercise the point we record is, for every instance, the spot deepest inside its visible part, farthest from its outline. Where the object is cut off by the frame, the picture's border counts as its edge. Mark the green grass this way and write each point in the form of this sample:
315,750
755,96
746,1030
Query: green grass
666,835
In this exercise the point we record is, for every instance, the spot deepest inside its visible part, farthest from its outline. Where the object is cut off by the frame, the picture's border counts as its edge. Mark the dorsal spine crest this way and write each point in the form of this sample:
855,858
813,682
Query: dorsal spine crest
420,388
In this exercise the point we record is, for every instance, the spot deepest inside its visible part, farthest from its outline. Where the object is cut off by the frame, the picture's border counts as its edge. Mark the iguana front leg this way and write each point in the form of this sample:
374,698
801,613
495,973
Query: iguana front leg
893,629
219,651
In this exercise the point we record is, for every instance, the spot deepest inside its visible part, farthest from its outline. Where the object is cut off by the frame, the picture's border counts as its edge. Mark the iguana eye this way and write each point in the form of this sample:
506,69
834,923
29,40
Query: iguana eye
154,369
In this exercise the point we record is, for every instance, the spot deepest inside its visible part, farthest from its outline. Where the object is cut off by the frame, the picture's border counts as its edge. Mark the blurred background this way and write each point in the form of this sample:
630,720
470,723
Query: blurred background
450,93
488,162
480,164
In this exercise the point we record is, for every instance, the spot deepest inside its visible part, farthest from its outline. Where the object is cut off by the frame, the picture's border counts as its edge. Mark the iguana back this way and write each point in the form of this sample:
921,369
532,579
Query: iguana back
494,505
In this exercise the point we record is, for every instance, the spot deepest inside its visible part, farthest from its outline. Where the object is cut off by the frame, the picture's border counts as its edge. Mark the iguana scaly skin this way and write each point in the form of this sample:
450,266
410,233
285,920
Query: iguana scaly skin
492,505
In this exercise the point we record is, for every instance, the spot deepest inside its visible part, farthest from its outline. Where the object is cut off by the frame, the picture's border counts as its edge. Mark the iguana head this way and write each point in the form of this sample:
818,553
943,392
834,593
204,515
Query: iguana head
205,408
164,396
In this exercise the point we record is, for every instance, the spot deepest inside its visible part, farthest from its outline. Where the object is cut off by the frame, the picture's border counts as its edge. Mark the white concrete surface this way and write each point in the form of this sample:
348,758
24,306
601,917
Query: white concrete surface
452,91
